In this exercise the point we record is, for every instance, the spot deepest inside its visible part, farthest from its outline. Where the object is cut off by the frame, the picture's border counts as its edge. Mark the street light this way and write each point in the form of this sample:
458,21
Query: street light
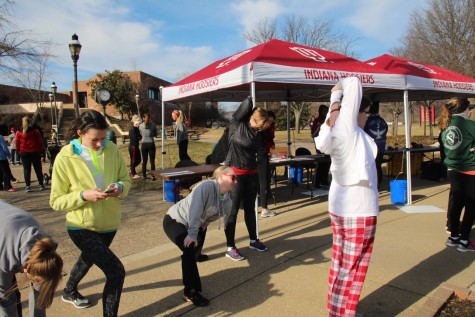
137,102
51,106
75,49
54,88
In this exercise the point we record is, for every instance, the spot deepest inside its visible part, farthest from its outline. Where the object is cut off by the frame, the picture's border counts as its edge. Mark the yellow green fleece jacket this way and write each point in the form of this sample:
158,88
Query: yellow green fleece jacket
71,176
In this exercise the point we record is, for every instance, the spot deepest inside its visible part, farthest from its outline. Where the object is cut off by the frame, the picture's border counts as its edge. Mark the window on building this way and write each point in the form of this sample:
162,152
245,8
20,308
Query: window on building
153,93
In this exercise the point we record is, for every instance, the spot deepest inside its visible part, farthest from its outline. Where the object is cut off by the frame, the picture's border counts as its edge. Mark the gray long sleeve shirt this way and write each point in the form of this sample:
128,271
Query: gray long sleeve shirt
19,231
148,132
202,206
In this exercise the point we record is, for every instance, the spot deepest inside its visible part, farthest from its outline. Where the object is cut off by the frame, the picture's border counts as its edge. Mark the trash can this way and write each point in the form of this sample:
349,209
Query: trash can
296,175
110,135
171,191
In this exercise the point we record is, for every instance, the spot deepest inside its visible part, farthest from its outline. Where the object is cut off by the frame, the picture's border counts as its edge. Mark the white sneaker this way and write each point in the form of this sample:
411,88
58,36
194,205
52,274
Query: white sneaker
268,213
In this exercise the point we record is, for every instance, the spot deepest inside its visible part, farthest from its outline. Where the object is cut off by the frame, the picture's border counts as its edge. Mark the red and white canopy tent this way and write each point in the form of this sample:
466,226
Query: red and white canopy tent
279,71
423,82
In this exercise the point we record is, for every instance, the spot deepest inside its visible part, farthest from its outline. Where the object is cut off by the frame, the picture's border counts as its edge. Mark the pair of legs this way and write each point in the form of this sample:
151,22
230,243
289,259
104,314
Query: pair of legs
183,150
11,305
245,191
321,175
264,180
461,195
28,159
177,233
15,156
353,239
135,158
5,175
379,161
95,249
148,150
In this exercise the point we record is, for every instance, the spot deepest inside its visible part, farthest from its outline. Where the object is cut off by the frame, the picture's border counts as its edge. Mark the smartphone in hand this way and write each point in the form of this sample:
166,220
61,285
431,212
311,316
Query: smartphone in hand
109,190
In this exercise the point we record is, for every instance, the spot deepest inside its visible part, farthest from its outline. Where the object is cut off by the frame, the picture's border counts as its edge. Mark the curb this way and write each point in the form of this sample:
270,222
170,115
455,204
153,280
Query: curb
441,296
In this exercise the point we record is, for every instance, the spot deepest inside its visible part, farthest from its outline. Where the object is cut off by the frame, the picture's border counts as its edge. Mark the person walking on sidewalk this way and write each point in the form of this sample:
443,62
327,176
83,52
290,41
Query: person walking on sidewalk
29,144
90,178
186,223
458,139
353,198
134,150
244,141
26,249
148,130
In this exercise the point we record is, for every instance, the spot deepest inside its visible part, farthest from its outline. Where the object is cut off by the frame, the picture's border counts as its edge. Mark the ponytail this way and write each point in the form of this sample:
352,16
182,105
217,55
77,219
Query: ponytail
45,264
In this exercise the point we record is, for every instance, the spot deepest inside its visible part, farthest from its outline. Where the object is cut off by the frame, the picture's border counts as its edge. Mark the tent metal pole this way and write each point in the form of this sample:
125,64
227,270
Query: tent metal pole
163,141
256,203
407,127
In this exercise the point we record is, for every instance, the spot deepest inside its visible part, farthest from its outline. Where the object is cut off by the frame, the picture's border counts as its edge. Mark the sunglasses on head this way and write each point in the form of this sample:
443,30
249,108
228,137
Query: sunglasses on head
233,177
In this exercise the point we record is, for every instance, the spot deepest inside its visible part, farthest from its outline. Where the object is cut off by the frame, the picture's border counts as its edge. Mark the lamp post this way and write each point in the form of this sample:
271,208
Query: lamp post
54,88
137,102
51,106
75,49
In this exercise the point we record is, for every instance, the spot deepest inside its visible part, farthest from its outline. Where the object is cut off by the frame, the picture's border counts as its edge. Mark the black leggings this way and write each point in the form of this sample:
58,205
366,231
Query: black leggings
148,149
27,159
264,180
246,191
183,150
461,195
94,248
177,233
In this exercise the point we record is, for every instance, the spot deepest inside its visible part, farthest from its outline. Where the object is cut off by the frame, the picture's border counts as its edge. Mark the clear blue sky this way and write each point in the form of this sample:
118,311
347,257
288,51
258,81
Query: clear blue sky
173,38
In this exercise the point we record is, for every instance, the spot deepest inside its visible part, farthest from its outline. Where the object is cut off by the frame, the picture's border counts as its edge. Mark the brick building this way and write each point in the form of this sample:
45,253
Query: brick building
149,92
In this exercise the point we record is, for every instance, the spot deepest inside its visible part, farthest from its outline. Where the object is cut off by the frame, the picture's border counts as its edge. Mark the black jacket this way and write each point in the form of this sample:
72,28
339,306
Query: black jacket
244,141
134,136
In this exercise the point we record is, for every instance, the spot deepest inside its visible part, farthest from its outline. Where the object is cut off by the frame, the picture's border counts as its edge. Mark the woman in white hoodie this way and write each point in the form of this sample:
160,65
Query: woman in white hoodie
353,198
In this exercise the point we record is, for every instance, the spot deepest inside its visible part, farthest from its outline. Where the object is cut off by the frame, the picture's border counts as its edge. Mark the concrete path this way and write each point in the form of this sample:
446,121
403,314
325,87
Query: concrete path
409,262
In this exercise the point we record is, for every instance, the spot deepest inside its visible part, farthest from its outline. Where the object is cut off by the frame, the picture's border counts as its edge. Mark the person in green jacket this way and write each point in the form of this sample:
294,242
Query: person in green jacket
458,139
89,179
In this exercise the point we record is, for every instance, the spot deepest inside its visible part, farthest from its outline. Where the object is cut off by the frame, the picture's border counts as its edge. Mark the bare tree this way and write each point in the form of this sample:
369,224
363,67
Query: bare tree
30,74
443,35
265,30
16,46
318,33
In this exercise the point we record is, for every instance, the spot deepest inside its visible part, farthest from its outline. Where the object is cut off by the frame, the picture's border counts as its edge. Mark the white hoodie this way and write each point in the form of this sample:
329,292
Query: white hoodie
353,191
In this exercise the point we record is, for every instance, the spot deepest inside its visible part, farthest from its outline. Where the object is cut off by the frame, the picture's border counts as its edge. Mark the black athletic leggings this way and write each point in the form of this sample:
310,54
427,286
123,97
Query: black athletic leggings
246,191
148,149
28,159
461,195
177,233
94,248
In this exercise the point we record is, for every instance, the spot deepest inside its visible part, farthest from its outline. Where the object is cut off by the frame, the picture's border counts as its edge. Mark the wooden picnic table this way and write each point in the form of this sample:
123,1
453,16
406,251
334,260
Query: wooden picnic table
183,173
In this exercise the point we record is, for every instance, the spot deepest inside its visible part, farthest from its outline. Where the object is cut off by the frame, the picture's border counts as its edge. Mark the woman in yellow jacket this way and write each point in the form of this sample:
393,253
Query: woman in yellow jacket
89,179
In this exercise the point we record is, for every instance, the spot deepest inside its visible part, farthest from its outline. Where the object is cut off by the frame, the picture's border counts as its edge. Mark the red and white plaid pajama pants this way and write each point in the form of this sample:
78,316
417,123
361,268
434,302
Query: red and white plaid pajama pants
353,239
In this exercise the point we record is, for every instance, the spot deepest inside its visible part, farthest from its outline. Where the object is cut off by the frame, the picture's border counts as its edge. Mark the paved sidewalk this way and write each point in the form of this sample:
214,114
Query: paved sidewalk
409,262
